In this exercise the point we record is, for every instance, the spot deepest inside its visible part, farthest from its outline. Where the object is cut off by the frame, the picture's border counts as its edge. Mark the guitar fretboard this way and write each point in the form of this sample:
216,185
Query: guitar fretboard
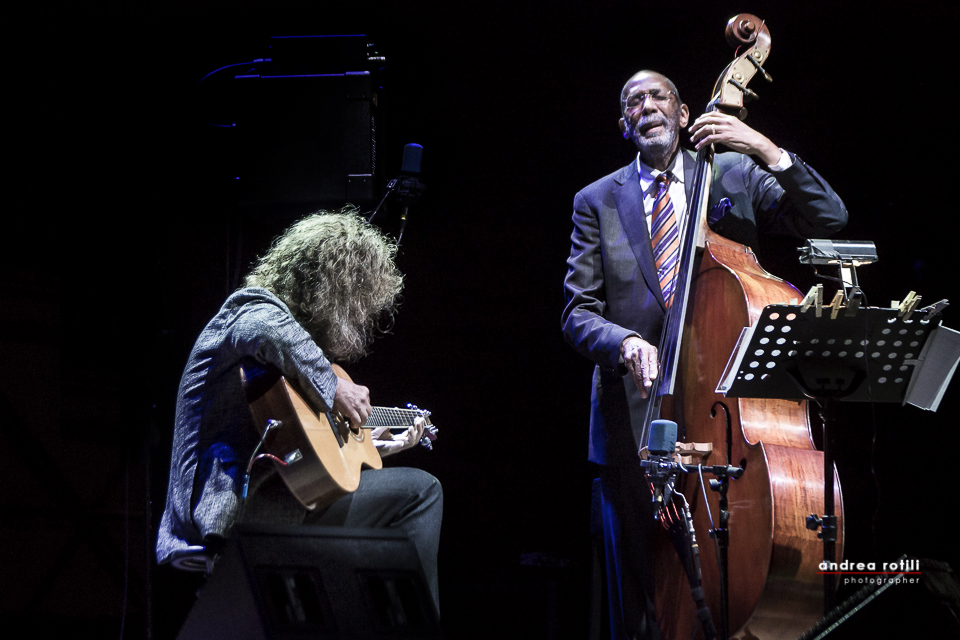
387,417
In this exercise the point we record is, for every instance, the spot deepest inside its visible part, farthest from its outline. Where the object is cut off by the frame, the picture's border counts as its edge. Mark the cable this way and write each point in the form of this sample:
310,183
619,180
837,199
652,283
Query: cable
254,457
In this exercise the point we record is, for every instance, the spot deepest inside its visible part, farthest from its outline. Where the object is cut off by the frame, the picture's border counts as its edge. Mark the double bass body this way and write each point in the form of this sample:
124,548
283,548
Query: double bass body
775,590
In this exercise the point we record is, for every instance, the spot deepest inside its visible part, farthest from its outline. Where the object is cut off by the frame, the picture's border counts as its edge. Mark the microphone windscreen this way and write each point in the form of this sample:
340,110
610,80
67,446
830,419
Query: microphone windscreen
412,155
663,437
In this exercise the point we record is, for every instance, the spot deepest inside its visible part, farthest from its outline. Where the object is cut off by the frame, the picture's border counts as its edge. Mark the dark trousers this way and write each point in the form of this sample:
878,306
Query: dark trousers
407,499
628,530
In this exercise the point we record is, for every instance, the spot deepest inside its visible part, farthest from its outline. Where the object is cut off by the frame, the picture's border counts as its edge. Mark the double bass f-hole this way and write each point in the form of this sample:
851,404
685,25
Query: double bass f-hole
729,426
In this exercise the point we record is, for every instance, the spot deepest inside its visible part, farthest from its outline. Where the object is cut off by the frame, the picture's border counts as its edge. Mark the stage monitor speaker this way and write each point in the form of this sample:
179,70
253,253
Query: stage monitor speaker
285,583
918,606
307,139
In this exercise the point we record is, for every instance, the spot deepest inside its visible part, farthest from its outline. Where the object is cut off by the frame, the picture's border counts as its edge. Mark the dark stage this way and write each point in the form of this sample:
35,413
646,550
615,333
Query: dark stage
515,105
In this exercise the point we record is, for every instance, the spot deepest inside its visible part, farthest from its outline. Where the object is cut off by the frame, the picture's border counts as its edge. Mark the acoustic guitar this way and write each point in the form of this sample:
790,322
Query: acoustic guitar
319,455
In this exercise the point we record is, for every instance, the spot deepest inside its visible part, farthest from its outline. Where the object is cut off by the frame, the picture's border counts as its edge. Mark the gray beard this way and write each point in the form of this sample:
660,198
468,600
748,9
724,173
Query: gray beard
656,152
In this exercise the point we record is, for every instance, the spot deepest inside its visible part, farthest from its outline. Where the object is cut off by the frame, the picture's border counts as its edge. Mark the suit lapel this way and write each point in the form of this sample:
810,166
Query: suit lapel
629,200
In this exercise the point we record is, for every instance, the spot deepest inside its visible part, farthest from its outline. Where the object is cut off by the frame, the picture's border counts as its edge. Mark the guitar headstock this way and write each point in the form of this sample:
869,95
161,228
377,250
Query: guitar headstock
430,432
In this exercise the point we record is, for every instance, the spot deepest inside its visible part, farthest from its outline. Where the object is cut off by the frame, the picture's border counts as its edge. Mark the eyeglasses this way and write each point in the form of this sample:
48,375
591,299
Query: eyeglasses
636,100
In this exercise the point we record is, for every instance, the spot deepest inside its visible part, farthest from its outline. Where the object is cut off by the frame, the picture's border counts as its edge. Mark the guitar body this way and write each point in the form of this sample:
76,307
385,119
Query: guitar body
323,459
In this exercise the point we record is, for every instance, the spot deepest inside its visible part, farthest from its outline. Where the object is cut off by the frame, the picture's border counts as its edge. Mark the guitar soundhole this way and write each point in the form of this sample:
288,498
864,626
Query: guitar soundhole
347,429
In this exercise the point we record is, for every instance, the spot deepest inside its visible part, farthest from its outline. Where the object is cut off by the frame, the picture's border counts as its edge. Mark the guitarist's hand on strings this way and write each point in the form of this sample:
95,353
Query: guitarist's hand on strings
352,401
388,443
640,358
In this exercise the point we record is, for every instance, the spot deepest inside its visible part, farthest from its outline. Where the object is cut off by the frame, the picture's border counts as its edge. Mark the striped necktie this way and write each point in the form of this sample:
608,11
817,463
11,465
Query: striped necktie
665,238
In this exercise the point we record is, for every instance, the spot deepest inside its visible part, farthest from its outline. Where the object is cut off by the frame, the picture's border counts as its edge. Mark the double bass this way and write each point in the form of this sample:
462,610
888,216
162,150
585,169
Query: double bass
772,559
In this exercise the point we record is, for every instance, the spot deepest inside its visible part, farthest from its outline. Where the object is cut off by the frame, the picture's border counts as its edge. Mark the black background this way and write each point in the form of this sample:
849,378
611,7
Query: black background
123,240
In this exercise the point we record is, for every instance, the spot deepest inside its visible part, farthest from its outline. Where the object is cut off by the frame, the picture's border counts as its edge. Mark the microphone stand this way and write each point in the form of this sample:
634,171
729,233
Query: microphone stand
408,190
663,472
407,187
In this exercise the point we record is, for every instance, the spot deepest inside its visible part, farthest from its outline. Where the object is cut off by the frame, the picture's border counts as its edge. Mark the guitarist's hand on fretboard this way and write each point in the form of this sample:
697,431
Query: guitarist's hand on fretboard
388,443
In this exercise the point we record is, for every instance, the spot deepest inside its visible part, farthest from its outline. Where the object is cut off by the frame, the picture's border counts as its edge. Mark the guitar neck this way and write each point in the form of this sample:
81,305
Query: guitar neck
392,417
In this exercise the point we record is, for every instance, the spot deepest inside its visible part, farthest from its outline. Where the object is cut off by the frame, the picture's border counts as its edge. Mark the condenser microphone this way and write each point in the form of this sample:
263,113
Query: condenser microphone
412,158
406,187
659,466
409,188
662,440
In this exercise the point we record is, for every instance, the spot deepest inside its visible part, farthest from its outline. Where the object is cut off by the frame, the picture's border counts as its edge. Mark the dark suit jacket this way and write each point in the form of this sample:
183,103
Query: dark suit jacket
611,286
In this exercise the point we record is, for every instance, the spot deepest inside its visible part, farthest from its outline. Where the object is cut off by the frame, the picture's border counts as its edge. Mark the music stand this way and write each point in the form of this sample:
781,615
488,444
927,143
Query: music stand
797,352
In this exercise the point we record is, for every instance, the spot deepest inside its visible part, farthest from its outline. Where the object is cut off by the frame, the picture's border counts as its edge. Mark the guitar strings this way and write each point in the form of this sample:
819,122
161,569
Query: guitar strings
384,416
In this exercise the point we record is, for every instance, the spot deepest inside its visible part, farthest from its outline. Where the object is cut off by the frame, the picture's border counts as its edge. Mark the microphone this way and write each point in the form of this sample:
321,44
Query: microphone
659,465
412,157
406,187
662,440
409,187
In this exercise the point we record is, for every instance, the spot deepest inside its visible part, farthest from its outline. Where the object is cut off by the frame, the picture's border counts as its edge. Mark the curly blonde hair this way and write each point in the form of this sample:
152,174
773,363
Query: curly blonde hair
337,274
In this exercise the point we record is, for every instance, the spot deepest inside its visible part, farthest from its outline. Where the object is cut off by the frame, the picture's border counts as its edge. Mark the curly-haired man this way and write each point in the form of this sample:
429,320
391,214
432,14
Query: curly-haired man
320,294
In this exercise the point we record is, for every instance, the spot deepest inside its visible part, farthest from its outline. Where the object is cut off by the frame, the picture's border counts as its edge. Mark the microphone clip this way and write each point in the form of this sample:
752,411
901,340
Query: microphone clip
406,189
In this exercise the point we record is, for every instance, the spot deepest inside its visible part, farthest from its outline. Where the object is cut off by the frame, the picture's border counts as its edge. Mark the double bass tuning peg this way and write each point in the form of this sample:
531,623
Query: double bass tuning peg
748,94
760,69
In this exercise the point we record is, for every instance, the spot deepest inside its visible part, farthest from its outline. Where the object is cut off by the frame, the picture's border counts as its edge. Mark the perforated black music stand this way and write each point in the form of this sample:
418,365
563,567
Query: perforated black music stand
871,355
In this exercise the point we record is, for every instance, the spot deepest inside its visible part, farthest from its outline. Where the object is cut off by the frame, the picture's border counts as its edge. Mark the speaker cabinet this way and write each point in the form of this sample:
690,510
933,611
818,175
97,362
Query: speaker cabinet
314,582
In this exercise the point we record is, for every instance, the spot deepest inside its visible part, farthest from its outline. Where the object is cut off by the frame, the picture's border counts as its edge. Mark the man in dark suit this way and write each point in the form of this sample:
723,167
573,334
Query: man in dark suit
615,290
